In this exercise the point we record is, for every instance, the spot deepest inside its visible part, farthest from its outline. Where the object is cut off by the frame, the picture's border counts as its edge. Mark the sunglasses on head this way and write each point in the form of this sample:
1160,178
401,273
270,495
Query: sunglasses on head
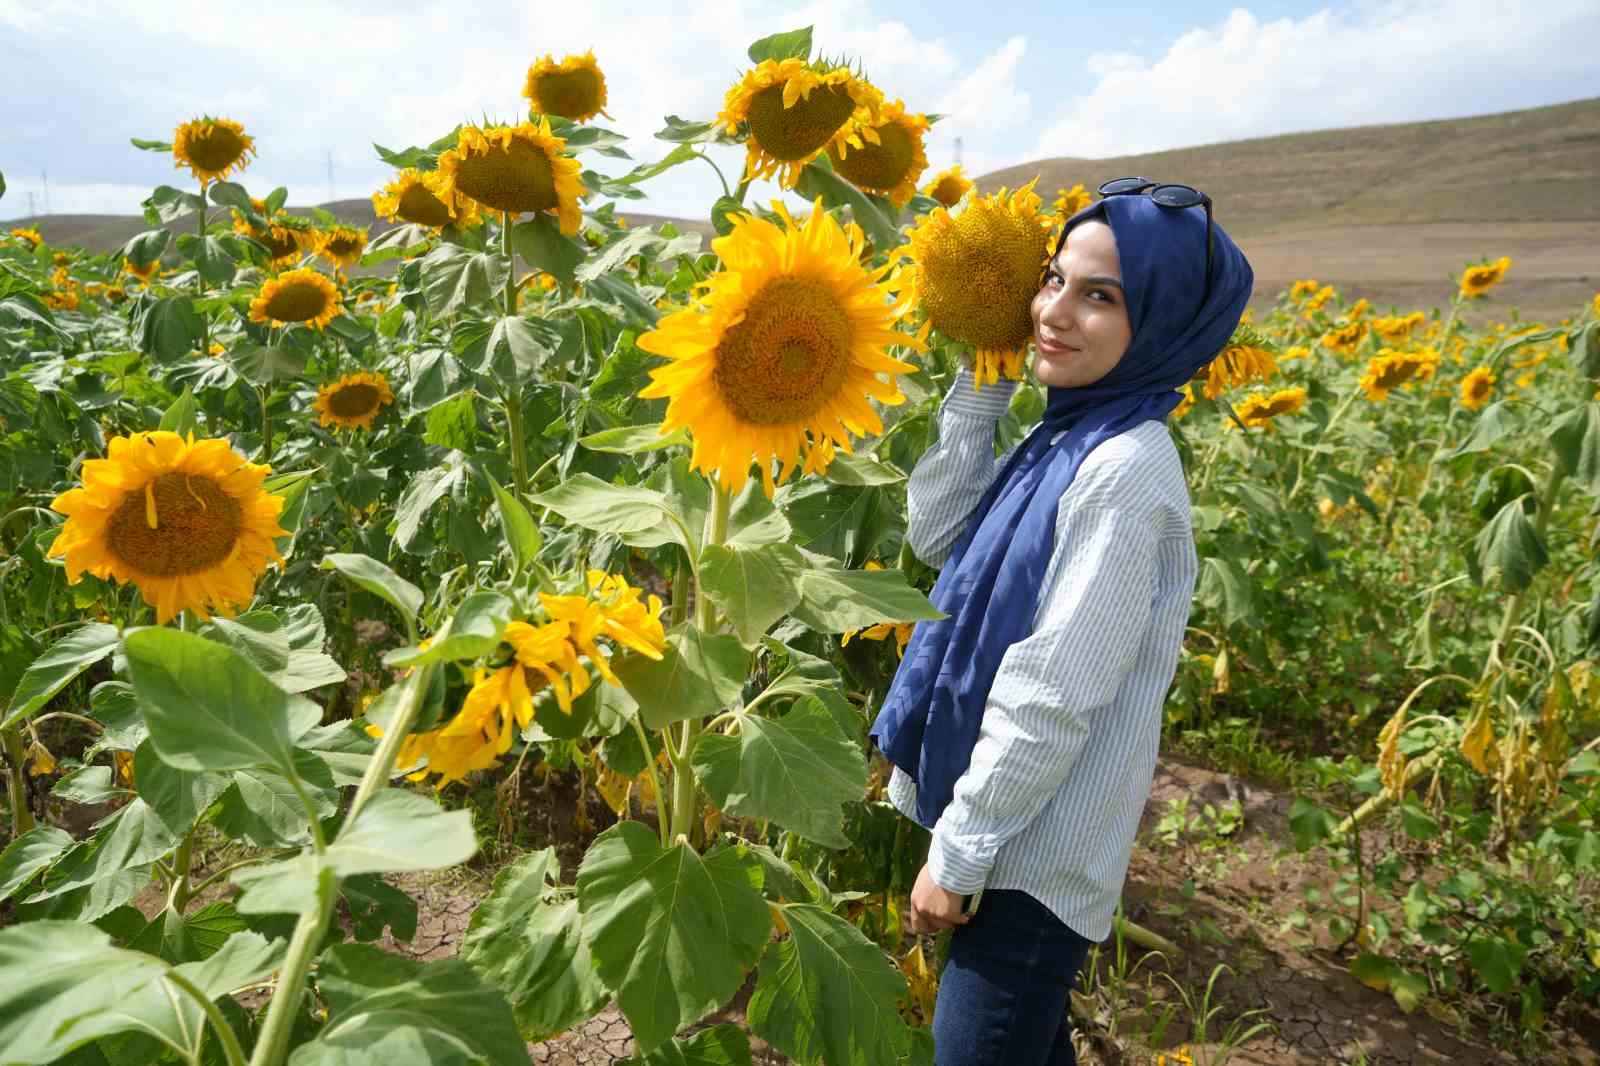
1165,194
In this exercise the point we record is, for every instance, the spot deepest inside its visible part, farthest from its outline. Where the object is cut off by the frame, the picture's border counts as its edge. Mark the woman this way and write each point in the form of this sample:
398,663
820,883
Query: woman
1024,726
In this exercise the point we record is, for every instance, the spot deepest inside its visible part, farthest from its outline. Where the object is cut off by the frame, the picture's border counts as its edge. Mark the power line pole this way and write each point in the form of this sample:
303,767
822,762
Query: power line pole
44,180
330,177
958,151
33,206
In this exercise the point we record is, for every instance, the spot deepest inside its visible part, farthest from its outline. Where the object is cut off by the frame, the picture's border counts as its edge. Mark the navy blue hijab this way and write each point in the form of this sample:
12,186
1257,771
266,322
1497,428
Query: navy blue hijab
931,716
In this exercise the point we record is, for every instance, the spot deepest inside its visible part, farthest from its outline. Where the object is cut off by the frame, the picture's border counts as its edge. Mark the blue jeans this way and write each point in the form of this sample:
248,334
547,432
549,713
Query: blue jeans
1003,992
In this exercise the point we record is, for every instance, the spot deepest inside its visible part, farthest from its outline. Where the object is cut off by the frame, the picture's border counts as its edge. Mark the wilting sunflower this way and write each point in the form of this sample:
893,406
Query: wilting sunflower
574,88
282,242
212,148
974,275
1070,201
353,401
30,235
1389,369
884,156
1344,338
782,349
297,296
1246,358
423,198
792,110
186,521
1477,280
143,273
1397,329
341,246
1476,388
1259,409
949,186
516,169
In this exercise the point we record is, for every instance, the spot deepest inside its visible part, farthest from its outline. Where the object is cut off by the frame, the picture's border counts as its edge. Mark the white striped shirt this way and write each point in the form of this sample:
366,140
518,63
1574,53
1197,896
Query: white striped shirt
1063,763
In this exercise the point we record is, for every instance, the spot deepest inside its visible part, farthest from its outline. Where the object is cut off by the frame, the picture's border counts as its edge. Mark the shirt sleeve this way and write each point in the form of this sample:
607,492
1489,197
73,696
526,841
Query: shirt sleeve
1092,619
951,476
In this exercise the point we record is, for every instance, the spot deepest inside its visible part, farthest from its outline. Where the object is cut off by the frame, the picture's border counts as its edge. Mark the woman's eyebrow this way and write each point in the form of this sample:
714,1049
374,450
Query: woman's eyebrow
1103,279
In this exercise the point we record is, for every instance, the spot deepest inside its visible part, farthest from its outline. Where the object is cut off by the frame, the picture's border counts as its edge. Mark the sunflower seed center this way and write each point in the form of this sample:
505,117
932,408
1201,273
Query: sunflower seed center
789,356
573,94
354,401
297,301
879,166
516,178
419,205
196,526
789,133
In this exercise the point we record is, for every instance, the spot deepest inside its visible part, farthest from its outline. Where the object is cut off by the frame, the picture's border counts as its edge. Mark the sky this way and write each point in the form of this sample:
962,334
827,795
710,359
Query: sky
317,83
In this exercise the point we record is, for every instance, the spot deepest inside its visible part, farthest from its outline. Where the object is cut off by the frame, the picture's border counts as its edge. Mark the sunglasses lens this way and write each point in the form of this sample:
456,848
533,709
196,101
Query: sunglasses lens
1121,185
1176,196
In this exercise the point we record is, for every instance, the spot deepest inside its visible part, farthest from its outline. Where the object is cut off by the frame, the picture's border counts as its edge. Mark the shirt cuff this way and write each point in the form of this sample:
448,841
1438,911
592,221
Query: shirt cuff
961,862
990,402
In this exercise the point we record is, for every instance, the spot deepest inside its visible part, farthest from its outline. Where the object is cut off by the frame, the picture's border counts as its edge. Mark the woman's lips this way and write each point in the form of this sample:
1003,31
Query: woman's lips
1048,347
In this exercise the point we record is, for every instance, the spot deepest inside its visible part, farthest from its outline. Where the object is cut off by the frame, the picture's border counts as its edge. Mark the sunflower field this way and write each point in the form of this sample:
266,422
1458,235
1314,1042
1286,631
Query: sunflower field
308,535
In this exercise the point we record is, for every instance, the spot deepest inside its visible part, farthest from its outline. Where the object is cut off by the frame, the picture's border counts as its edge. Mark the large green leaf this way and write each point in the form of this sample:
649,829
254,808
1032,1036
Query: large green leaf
1225,587
263,364
384,1010
178,797
29,853
168,328
1509,549
527,342
634,440
209,708
754,587
797,770
454,277
541,242
425,490
375,577
472,631
1576,438
262,807
827,993
132,837
587,501
52,671
818,179
531,947
671,932
698,674
833,600
521,532
790,44
1494,422
720,1045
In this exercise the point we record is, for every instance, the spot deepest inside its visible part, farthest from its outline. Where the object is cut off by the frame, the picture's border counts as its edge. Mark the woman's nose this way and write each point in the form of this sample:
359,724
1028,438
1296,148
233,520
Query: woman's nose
1057,311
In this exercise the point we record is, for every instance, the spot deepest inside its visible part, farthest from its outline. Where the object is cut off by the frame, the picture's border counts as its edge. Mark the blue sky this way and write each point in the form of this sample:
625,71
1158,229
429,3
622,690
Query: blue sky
1017,81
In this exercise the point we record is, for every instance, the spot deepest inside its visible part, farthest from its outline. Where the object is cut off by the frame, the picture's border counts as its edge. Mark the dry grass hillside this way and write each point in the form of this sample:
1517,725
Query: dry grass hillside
1389,212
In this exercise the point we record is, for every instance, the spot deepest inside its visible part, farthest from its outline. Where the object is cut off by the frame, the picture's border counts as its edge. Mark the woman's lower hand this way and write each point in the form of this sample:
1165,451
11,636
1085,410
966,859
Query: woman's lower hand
934,909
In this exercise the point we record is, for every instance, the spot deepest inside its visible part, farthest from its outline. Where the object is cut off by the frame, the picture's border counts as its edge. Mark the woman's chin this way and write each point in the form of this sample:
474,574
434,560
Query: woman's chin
1054,370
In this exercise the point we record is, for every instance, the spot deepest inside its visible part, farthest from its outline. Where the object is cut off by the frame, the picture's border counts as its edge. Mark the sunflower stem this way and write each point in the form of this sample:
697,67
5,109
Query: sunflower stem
663,822
512,400
225,1034
266,425
382,764
200,271
16,786
272,1045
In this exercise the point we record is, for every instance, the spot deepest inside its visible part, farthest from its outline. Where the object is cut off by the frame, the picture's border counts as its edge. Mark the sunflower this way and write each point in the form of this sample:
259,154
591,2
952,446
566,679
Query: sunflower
791,110
949,186
143,273
1477,280
281,242
782,348
423,198
884,156
1397,329
353,401
573,89
212,148
1186,404
1389,369
1315,301
1070,201
1344,338
1246,358
1259,409
187,521
29,234
1357,309
115,294
1594,305
1297,351
974,275
297,296
516,169
341,246
1303,288
1476,388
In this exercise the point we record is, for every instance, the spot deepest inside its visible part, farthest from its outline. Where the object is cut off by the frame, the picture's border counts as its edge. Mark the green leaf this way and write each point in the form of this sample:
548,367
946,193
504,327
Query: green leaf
681,154
405,240
178,797
698,674
1496,962
1508,549
671,932
518,526
720,1045
384,1010
818,179
754,521
425,490
723,212
632,243
132,837
634,440
55,669
166,204
1309,823
1585,345
453,423
151,146
531,947
587,501
833,600
541,242
679,130
857,469
1576,439
798,770
179,418
375,904
145,248
474,630
1225,587
528,343
168,327
827,993
791,44
262,364
208,708
28,854
1417,822
433,376
1494,423
754,587
454,277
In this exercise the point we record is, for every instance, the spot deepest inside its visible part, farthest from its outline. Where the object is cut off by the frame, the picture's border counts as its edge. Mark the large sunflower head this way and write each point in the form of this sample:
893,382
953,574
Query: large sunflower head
782,350
884,156
1247,357
1476,388
425,199
282,242
353,401
949,186
516,169
1389,370
574,88
341,245
1259,409
297,296
187,521
212,148
791,110
974,274
1479,279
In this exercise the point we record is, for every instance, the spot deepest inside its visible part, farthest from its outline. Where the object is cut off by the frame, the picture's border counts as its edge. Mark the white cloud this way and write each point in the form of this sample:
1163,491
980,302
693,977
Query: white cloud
1396,61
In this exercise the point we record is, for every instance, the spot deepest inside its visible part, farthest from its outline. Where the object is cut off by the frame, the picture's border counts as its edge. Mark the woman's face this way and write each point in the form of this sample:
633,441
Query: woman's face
1080,318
